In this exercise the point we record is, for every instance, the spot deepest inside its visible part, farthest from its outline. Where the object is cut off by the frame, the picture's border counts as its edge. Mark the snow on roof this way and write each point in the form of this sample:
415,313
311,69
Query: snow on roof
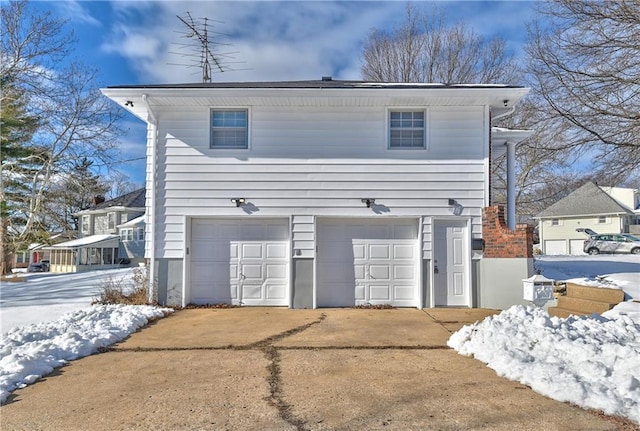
133,221
88,240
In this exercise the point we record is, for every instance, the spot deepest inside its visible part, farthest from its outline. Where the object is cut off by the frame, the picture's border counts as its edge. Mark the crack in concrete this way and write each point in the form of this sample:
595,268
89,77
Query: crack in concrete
276,393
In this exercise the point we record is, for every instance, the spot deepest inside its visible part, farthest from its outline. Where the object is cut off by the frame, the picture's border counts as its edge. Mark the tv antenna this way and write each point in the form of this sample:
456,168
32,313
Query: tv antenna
200,48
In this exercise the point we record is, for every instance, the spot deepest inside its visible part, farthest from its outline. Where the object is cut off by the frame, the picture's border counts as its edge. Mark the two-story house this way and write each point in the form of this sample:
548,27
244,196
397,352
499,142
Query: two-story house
111,234
317,193
600,209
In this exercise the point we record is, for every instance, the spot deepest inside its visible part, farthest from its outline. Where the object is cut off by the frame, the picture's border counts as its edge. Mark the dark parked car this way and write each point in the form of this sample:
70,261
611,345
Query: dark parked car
46,264
36,267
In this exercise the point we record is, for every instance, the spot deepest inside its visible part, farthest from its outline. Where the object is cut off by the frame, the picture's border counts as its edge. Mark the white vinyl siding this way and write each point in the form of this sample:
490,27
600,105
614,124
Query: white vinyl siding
317,161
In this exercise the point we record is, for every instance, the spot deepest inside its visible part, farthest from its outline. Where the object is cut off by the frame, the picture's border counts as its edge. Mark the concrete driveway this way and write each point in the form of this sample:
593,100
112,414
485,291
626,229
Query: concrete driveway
280,369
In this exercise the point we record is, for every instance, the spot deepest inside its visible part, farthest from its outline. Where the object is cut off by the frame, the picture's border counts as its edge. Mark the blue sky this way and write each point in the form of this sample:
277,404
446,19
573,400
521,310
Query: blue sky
136,42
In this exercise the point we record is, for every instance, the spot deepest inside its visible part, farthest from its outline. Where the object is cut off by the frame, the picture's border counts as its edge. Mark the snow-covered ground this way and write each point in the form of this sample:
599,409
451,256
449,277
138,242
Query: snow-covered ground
48,320
593,362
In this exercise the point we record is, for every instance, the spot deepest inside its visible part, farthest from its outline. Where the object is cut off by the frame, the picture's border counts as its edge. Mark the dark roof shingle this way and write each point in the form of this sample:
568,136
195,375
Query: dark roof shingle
586,200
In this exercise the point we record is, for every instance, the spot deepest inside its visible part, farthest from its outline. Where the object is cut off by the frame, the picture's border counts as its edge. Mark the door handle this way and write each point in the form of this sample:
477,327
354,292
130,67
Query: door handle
435,269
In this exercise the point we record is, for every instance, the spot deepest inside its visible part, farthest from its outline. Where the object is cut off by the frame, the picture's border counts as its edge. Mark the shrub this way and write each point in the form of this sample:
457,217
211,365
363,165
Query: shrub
120,290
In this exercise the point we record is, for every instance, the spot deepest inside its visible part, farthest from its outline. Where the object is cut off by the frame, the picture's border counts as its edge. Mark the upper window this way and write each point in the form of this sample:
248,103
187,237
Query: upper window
111,221
555,222
602,219
229,129
140,234
86,219
406,129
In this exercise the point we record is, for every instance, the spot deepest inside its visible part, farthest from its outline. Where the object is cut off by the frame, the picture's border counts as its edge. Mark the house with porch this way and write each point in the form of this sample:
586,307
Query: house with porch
323,193
111,235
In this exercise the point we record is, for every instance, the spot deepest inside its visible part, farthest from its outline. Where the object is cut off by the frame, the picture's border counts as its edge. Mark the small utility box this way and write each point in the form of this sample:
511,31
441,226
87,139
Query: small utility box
538,289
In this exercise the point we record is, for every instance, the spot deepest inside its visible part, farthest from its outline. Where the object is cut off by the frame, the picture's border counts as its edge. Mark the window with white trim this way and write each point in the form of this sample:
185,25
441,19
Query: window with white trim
86,224
140,234
555,222
229,128
126,235
111,221
602,219
407,129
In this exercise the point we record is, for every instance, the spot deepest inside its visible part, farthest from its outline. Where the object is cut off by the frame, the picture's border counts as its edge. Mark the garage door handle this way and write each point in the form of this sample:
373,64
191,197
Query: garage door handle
242,276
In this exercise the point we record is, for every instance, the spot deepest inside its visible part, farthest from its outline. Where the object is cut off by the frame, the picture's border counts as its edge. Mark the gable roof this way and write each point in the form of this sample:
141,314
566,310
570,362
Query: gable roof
134,199
586,200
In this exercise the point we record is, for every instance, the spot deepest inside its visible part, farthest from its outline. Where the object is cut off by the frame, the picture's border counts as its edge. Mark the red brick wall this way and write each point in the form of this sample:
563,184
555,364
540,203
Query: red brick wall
500,241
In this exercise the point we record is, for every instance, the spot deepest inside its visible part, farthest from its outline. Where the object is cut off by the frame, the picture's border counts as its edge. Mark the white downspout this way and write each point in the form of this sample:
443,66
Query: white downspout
151,209
511,185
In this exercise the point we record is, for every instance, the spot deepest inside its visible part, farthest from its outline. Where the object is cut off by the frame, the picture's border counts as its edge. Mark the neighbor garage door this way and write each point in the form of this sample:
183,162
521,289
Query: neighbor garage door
364,261
239,262
576,246
555,247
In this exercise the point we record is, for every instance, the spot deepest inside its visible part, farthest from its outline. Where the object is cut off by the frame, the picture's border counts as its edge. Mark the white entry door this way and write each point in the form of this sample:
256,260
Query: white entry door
451,264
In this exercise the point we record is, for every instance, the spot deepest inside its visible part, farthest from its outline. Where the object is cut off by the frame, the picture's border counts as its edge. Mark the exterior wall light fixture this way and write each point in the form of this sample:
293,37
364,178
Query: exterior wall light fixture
452,202
129,103
238,201
368,202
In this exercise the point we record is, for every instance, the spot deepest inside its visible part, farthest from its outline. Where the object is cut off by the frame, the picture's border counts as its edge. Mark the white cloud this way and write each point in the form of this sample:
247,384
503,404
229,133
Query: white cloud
76,12
273,40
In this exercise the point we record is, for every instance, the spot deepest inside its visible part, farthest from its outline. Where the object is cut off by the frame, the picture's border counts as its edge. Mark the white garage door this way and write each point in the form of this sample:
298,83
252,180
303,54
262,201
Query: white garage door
576,246
239,262
555,247
367,262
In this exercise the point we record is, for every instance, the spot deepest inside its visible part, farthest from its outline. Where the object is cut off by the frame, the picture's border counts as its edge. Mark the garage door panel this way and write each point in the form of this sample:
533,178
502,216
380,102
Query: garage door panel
251,291
404,292
380,292
379,251
404,251
252,271
276,291
379,272
276,251
276,270
252,251
404,272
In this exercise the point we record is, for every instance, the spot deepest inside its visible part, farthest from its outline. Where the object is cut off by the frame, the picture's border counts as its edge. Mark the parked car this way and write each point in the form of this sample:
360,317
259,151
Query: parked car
36,267
46,263
612,243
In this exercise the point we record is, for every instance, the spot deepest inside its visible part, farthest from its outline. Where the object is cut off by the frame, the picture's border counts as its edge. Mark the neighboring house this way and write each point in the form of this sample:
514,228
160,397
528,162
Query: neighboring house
318,193
38,252
590,206
111,234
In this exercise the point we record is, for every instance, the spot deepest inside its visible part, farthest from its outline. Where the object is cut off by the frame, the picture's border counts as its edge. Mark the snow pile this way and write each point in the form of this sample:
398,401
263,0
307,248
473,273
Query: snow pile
30,352
593,362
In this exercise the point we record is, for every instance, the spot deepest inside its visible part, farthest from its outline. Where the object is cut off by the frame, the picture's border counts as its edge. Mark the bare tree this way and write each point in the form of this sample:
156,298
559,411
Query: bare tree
424,49
585,66
74,120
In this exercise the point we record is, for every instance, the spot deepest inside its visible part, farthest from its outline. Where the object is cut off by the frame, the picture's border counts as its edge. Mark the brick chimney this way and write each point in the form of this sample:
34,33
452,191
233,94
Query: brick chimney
97,200
502,242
